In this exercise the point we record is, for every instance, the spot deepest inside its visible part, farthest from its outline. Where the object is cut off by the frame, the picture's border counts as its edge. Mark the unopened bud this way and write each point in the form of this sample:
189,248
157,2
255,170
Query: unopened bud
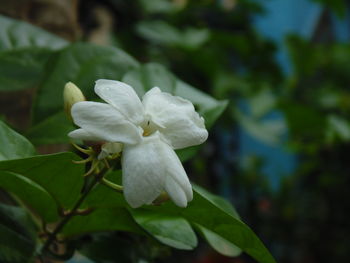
71,95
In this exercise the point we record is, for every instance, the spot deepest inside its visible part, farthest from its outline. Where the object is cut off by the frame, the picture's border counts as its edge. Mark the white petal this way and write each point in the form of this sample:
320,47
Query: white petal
103,121
151,167
183,127
81,134
110,148
122,97
179,188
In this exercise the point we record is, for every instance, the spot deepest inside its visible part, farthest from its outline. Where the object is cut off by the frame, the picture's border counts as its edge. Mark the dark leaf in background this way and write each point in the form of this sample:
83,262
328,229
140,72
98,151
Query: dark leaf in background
338,6
163,33
24,51
15,34
17,235
120,247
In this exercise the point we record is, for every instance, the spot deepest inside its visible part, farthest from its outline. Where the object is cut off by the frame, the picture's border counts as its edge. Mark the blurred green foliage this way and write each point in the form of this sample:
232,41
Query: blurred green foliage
232,61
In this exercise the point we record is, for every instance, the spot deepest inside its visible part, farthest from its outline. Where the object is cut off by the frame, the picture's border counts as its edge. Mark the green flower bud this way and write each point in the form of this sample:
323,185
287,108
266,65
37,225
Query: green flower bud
71,95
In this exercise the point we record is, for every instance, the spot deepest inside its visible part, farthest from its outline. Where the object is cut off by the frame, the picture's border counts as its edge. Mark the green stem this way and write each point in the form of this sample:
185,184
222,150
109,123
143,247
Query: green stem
114,186
69,215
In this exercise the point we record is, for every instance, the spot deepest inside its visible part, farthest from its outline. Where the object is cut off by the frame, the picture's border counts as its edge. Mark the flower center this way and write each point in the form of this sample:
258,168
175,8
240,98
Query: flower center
148,128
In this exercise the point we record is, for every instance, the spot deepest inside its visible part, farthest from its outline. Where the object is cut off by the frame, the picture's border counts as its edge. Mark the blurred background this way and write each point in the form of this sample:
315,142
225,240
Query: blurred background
280,152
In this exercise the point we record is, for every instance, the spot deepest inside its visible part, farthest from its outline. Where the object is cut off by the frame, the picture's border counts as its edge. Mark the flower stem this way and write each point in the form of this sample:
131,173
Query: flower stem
114,186
71,213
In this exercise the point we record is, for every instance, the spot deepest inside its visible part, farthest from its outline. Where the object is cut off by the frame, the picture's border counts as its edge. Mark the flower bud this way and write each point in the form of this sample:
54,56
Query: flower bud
71,95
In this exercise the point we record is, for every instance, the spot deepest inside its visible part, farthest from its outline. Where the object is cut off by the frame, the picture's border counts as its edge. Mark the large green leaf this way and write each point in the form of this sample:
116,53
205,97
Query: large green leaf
13,145
22,69
218,201
102,196
203,211
102,219
218,217
17,235
56,173
82,64
31,194
15,34
24,52
171,230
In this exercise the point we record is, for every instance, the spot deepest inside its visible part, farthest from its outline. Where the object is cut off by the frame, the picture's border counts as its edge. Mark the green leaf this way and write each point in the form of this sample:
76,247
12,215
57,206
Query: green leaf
311,126
337,127
103,196
261,103
159,32
218,243
267,131
30,194
22,69
13,145
52,130
56,173
24,52
205,212
15,34
164,33
216,216
158,6
131,249
102,219
171,230
108,212
82,64
220,202
17,235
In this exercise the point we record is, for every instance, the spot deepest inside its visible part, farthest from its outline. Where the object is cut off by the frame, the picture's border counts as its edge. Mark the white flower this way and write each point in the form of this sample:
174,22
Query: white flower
149,131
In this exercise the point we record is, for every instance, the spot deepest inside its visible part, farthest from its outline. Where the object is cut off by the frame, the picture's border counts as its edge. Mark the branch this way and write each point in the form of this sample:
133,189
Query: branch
74,211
